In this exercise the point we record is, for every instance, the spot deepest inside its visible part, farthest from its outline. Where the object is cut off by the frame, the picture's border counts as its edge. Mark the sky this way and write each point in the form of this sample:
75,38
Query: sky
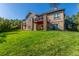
20,10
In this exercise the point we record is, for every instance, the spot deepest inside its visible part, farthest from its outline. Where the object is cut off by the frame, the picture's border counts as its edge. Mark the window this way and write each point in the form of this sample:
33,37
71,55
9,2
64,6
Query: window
41,18
35,19
56,15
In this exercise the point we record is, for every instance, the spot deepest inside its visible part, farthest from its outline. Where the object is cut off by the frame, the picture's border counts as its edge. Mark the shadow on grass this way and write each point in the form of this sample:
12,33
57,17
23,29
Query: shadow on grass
4,34
2,38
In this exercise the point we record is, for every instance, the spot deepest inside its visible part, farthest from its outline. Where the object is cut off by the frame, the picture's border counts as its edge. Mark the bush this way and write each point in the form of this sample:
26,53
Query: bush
9,25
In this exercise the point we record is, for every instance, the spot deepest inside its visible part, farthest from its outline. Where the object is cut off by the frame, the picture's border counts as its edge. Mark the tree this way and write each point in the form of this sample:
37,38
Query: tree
69,23
76,20
9,25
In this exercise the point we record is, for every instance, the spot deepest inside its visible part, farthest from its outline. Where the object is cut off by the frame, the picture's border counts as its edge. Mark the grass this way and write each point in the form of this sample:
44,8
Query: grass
39,43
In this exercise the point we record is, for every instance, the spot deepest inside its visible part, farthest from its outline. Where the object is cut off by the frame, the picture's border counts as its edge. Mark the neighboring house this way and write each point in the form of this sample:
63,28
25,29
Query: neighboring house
53,20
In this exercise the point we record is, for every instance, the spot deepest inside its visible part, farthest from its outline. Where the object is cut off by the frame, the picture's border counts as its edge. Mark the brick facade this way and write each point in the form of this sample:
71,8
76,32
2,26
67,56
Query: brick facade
46,21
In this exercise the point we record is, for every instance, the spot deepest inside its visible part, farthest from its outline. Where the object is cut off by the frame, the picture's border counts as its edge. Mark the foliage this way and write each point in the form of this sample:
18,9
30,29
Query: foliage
8,25
72,23
76,20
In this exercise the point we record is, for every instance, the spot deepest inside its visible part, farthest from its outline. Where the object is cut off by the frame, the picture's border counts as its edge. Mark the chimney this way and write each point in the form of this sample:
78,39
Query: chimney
54,6
55,9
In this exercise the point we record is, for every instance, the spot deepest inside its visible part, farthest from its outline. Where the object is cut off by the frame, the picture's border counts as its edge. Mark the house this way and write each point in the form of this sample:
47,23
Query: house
53,20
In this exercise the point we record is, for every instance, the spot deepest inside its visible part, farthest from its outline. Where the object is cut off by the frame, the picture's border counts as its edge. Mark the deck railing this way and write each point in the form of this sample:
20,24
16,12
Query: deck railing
38,19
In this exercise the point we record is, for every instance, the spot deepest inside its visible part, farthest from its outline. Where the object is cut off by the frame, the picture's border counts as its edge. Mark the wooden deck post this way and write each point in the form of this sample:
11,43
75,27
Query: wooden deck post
34,26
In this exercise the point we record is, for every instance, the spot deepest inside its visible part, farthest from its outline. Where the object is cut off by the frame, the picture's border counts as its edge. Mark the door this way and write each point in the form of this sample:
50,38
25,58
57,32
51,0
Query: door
55,26
39,26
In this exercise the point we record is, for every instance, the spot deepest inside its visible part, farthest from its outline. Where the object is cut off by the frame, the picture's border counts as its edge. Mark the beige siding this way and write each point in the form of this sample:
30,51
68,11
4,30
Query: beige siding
29,24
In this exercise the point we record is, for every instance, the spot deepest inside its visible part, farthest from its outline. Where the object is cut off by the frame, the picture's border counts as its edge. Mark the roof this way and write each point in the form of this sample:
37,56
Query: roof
45,13
52,11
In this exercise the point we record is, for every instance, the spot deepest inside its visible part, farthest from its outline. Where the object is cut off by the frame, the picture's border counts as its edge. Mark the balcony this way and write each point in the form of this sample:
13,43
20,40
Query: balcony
38,19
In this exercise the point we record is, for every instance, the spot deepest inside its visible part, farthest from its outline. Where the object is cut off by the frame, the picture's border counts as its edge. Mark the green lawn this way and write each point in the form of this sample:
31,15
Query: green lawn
39,43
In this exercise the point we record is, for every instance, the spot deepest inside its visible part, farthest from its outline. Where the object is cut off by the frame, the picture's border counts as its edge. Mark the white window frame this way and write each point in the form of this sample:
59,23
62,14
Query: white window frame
56,15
